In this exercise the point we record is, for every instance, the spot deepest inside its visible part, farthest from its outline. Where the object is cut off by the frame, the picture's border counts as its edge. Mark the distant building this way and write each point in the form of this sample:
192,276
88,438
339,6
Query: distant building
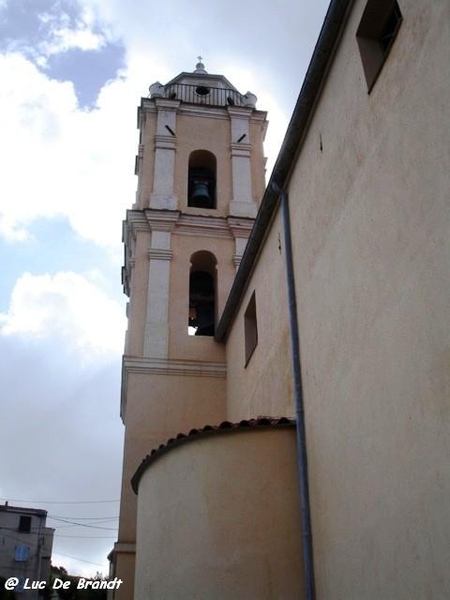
359,264
25,546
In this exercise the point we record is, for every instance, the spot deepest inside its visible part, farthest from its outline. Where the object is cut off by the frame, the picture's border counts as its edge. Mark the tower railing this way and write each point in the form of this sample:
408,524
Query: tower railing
203,94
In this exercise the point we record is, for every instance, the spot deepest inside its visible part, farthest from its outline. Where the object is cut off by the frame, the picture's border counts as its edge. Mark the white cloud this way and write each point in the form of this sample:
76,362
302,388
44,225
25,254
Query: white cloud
67,39
59,160
62,35
67,305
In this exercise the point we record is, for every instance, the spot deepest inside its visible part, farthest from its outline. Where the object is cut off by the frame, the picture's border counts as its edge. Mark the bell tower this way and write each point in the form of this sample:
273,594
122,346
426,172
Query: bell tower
200,168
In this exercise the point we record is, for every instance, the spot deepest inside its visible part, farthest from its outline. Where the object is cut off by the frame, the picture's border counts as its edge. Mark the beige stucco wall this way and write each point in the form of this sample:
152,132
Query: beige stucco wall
162,401
263,387
218,519
369,200
161,405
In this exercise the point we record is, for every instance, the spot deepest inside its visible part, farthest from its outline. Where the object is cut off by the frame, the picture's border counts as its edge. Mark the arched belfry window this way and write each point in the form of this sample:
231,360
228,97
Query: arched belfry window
202,294
202,179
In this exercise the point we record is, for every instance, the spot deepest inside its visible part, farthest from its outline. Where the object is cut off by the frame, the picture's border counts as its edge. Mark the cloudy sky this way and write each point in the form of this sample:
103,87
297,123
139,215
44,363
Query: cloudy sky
71,75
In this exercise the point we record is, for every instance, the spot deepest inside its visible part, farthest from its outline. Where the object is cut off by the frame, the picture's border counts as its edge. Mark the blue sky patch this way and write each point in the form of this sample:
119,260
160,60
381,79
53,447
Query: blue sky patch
29,26
88,70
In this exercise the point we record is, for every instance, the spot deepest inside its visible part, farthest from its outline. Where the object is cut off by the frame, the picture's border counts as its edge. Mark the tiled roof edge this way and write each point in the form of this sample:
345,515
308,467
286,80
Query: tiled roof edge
206,431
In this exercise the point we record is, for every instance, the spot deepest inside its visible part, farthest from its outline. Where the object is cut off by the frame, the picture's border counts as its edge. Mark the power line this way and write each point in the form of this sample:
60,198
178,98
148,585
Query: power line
83,518
83,524
80,559
31,544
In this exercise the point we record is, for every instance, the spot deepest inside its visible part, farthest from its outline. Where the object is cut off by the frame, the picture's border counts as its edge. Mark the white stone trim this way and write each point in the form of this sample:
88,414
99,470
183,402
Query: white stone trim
125,548
161,220
240,149
240,112
135,221
197,110
160,254
199,225
166,103
161,366
167,142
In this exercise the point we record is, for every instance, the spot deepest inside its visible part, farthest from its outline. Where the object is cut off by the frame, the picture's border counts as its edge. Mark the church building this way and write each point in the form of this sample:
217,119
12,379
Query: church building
286,374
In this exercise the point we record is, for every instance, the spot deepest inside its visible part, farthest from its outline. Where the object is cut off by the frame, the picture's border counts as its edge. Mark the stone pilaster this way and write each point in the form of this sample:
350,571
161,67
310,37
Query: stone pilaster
242,204
156,338
163,195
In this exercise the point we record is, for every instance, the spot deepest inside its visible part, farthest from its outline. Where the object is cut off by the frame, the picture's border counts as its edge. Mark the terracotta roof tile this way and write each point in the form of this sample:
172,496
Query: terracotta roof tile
206,431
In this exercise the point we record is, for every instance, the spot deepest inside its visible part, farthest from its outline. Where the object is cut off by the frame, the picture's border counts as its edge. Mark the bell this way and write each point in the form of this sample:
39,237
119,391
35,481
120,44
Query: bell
200,196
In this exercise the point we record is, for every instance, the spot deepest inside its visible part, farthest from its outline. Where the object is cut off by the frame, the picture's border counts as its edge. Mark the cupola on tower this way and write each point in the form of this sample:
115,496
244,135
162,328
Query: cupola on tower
200,168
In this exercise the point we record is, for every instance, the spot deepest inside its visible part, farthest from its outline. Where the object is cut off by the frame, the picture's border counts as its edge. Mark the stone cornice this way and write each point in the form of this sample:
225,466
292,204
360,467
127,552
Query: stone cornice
125,548
198,110
160,254
167,142
240,149
167,366
259,115
136,221
240,228
166,103
161,220
239,111
203,226
146,105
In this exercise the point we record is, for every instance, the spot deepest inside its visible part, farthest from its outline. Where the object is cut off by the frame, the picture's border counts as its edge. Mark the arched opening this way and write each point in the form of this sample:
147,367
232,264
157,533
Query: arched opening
202,294
202,179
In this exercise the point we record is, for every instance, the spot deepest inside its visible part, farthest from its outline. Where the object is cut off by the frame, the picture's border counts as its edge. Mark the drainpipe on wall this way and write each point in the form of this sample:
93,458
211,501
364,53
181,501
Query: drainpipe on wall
302,462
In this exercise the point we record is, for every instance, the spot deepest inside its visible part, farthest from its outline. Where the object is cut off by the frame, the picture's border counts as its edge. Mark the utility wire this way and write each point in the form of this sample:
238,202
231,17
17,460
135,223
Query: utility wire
31,544
84,524
83,518
81,559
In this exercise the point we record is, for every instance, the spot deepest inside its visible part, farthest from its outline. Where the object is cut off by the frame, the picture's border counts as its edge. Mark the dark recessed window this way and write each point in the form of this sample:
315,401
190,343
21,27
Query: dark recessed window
202,294
202,179
376,33
250,329
25,524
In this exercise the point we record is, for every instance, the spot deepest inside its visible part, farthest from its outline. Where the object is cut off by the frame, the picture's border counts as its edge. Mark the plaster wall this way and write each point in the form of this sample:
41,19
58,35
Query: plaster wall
263,386
369,203
218,518
156,411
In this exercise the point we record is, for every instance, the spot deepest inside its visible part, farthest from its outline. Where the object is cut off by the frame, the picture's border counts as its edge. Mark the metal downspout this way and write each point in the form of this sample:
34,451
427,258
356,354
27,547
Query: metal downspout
302,462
